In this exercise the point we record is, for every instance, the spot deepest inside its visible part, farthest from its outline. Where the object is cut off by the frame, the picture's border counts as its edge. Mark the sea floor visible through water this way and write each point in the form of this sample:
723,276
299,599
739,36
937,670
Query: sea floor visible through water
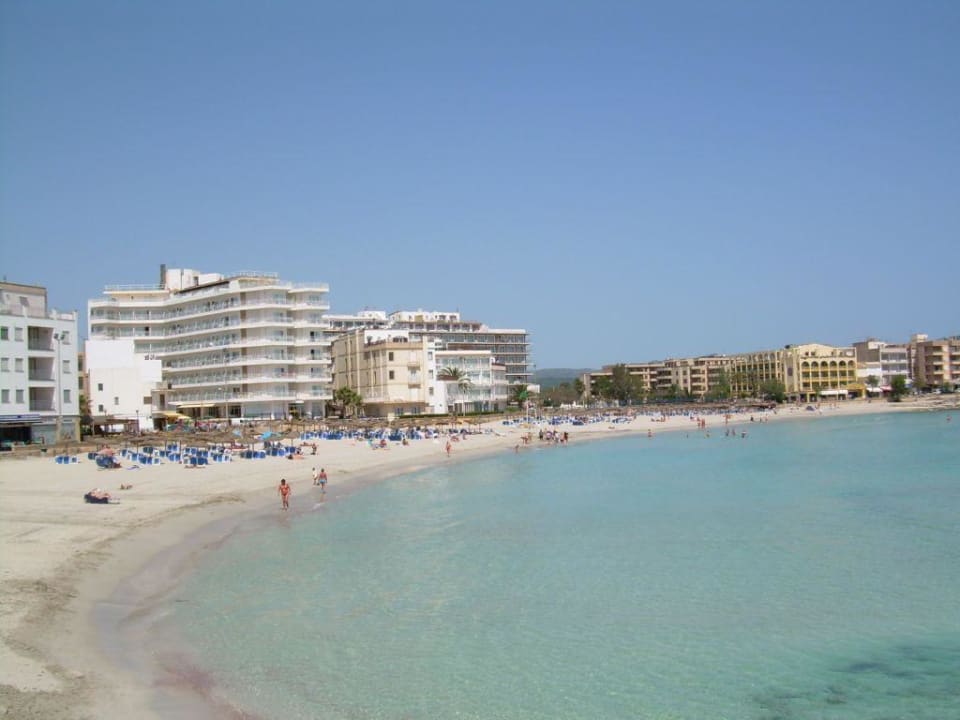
807,570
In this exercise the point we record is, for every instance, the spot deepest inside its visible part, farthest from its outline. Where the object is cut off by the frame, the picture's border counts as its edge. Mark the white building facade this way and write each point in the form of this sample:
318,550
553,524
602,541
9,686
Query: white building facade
240,346
39,386
483,388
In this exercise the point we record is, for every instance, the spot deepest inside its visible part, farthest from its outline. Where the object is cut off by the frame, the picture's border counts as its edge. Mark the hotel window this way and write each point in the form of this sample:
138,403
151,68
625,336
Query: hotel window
391,372
19,396
5,396
5,364
100,387
66,395
18,364
116,400
4,333
390,358
18,334
66,366
99,408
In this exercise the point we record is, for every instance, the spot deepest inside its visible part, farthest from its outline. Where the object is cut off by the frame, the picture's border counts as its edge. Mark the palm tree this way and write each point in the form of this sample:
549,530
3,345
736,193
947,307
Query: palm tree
346,398
454,376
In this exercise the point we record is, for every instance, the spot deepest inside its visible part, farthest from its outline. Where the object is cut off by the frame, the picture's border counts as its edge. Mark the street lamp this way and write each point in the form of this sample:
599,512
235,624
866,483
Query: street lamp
58,400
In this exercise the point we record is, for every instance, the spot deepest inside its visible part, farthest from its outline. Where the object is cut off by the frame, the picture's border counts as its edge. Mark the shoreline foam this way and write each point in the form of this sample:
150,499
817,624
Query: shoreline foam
64,562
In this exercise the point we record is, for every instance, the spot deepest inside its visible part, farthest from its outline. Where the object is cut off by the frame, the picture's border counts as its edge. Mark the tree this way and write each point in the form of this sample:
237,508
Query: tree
622,383
873,380
602,388
773,390
562,394
86,420
720,390
898,388
519,394
579,387
345,399
639,389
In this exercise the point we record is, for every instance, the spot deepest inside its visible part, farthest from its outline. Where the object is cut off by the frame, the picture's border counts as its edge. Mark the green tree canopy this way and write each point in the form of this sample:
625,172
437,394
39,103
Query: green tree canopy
898,388
345,400
773,390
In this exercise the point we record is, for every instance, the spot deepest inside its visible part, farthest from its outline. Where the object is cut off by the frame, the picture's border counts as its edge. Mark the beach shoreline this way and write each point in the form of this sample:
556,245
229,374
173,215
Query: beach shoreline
74,572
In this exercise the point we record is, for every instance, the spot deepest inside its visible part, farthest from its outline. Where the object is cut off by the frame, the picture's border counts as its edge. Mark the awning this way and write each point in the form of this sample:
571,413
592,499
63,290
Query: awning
874,390
20,419
828,393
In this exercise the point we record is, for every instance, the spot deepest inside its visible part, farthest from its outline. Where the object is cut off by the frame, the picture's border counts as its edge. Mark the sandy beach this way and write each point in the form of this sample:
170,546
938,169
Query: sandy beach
62,558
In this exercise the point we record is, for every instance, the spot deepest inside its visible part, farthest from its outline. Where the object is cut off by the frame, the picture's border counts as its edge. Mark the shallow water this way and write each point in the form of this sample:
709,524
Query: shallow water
811,570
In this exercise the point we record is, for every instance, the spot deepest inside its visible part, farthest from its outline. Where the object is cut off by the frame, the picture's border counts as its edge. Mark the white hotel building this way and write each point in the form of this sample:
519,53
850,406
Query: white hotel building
245,345
39,375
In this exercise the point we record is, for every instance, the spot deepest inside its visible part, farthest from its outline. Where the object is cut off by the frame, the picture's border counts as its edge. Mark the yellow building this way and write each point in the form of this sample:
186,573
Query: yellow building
392,373
814,371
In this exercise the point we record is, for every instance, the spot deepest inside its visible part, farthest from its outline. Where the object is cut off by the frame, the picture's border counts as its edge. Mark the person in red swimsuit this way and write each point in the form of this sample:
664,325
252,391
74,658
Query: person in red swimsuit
284,489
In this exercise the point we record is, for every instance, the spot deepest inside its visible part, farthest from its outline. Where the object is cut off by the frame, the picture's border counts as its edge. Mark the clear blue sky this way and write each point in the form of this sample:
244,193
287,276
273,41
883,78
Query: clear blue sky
626,180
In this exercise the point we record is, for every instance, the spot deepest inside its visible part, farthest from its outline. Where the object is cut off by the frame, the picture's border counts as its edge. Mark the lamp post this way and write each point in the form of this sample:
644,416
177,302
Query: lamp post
58,400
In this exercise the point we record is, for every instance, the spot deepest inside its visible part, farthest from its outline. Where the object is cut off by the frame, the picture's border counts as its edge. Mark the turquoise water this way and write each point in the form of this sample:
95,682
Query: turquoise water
811,570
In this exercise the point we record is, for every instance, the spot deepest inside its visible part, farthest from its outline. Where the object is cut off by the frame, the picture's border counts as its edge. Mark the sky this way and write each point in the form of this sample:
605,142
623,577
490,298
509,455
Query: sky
626,180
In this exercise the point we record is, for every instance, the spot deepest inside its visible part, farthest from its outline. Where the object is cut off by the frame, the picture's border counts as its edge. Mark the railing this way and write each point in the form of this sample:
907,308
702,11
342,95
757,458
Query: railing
42,378
35,345
129,288
215,400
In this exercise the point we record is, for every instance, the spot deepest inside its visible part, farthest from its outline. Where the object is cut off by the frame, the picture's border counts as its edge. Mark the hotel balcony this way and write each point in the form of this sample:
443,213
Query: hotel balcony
214,399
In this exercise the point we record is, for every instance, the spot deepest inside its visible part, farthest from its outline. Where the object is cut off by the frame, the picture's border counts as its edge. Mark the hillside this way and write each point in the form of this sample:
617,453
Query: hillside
551,377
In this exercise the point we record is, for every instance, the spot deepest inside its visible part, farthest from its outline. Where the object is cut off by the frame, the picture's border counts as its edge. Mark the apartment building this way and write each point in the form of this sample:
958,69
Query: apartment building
39,398
648,376
483,386
692,377
245,345
398,373
393,373
509,347
814,371
807,372
881,361
935,362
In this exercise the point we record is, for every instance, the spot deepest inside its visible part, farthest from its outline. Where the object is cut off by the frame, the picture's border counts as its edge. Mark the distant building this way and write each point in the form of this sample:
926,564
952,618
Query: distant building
509,347
393,374
39,387
484,386
814,371
880,362
241,346
935,362
397,373
808,372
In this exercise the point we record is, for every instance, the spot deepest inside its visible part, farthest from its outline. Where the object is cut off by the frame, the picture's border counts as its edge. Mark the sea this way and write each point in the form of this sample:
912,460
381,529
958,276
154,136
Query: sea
804,569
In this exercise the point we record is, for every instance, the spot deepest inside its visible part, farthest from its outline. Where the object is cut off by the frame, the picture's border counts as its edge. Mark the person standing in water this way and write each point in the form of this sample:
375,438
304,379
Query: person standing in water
284,490
322,480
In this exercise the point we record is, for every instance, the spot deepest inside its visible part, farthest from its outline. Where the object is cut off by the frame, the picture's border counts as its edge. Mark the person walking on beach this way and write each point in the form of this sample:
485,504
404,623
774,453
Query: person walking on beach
449,447
284,490
315,475
322,480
